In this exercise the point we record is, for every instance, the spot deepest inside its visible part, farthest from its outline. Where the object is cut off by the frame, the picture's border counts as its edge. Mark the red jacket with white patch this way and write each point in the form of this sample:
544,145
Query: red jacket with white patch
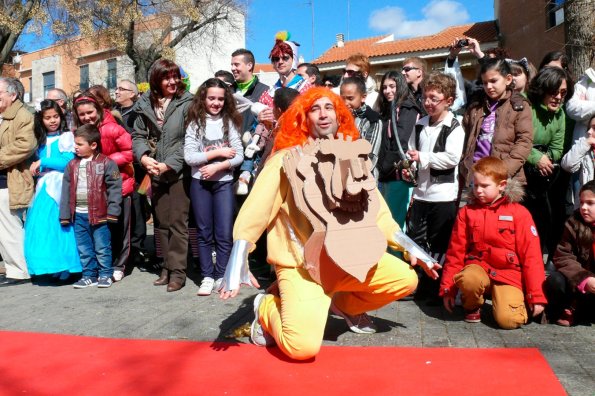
502,239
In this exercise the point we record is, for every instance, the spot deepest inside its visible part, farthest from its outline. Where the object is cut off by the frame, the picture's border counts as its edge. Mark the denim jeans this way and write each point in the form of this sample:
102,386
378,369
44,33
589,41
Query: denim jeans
213,207
94,246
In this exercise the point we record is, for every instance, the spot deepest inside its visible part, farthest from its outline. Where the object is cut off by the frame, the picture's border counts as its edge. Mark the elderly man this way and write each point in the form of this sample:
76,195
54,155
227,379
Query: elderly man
17,144
59,96
126,96
328,229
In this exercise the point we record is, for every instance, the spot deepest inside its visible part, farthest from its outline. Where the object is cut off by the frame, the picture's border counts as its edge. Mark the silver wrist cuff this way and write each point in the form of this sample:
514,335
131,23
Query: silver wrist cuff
237,271
413,248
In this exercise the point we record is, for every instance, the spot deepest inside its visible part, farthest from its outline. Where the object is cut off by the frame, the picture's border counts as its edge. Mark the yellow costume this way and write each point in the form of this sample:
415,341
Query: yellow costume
297,318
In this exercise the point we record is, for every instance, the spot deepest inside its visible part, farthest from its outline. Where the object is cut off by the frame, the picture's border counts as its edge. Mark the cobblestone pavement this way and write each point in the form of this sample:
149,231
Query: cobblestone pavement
134,308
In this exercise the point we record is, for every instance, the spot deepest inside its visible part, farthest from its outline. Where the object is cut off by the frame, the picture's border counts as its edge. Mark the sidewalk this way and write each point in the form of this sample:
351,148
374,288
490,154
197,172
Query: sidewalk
134,308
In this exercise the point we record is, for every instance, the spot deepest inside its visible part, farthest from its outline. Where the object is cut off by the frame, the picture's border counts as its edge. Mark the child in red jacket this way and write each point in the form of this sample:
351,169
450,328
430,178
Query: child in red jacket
494,249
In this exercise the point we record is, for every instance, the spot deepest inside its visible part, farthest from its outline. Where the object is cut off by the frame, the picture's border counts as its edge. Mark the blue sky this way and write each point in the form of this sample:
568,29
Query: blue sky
366,18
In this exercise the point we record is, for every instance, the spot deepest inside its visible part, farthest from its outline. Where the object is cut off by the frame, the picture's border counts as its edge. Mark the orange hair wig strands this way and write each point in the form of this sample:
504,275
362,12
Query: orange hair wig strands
293,125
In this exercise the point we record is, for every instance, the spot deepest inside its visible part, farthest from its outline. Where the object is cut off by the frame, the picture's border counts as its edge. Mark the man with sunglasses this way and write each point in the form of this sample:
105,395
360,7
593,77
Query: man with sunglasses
358,65
414,70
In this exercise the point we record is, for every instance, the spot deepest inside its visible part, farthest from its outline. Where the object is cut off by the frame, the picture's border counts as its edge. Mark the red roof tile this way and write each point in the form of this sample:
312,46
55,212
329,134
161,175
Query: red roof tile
482,31
263,67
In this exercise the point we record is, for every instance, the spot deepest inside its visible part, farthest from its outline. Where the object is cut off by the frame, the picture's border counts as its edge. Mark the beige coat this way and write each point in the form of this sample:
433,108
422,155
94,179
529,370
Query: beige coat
17,144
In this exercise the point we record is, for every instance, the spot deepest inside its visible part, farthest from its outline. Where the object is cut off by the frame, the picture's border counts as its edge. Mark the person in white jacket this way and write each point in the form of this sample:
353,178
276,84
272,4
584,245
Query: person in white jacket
580,160
581,108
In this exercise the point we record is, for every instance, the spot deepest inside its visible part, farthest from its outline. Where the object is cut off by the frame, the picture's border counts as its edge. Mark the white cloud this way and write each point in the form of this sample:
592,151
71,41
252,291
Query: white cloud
438,14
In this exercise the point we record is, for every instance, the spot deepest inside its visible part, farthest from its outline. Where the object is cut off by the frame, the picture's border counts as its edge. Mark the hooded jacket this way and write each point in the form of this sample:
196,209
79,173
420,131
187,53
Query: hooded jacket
165,143
513,134
502,239
572,258
116,144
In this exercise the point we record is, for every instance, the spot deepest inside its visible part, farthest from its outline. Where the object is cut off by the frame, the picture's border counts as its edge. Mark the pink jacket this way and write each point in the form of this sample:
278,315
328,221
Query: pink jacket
116,144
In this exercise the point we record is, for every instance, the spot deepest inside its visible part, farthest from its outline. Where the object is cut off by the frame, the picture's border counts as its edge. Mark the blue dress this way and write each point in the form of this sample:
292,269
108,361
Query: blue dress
51,248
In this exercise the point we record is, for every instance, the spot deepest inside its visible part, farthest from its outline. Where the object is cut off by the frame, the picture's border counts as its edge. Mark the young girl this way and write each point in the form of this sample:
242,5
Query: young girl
213,148
49,247
116,144
498,123
580,159
396,95
571,289
523,72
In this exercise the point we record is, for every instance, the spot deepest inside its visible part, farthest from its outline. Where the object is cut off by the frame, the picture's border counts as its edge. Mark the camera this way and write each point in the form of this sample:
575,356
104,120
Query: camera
462,43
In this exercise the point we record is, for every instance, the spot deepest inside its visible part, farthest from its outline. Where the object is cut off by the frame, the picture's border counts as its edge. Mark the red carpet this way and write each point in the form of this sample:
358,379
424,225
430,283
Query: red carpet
48,364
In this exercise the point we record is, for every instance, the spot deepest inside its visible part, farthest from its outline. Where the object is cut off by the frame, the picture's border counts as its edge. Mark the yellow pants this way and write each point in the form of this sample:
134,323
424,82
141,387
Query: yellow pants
508,302
298,317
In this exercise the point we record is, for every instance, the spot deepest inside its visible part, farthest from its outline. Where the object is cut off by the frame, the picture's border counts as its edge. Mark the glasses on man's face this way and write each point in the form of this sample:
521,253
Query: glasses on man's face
407,69
433,101
276,59
123,89
350,72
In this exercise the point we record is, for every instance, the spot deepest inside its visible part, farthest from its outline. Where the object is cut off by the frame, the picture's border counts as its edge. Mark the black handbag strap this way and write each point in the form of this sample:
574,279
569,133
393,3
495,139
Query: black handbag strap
394,117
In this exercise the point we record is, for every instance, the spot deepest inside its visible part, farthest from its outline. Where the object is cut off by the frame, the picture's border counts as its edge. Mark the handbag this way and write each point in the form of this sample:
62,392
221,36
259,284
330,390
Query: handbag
537,184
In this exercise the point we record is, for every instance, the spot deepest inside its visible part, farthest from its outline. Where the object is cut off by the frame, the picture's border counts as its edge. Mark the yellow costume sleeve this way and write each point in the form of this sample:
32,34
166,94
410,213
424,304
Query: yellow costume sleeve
263,202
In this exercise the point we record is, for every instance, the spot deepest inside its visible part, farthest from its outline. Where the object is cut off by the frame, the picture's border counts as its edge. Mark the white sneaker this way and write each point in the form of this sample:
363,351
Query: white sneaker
206,287
361,324
217,284
118,275
241,188
258,335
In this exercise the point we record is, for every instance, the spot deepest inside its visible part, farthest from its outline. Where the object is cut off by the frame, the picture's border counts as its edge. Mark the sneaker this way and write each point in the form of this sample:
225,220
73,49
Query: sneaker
118,275
258,335
217,284
567,318
361,324
206,286
104,282
85,282
473,316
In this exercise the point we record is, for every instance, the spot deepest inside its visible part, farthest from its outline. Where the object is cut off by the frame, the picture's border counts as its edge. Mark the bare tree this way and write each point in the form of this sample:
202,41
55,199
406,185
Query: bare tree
579,25
145,30
14,16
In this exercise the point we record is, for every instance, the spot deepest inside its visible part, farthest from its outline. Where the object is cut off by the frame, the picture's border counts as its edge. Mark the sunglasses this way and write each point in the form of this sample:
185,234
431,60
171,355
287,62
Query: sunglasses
276,59
350,72
407,69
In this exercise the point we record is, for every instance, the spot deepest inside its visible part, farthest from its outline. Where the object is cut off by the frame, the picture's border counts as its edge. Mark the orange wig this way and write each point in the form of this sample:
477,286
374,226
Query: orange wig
293,124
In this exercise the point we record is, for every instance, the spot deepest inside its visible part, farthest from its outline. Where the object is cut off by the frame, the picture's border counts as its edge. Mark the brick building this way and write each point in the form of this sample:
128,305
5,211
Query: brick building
530,28
83,62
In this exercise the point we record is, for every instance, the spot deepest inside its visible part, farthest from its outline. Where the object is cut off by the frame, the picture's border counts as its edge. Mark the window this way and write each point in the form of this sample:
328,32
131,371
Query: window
112,74
49,82
84,83
555,13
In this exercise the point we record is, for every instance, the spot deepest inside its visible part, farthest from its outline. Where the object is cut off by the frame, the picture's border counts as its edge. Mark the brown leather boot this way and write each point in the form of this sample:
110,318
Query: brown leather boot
163,278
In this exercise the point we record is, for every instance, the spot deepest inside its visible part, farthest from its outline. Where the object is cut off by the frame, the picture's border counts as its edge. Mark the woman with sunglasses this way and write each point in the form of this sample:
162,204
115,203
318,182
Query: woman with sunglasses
547,92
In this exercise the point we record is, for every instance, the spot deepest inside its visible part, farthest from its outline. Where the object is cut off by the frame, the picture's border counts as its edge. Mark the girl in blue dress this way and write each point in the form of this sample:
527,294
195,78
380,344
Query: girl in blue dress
50,248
